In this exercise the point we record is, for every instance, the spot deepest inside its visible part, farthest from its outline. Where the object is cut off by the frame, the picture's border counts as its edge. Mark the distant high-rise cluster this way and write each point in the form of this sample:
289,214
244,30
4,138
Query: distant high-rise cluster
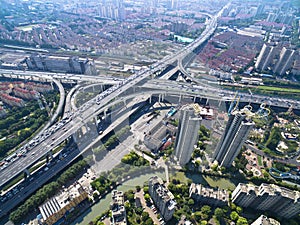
233,138
112,10
63,64
187,135
268,197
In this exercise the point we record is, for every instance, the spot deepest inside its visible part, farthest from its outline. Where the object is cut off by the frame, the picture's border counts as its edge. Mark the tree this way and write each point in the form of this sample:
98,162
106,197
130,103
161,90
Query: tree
145,216
234,216
191,202
219,213
239,209
242,221
205,211
197,215
138,188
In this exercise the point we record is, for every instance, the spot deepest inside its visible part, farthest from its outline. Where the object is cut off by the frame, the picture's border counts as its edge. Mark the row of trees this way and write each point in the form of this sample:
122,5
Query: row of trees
19,125
102,184
47,191
134,159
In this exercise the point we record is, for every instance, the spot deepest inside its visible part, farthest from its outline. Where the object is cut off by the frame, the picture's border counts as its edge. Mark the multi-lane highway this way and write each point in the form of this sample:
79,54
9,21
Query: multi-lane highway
218,93
63,77
64,129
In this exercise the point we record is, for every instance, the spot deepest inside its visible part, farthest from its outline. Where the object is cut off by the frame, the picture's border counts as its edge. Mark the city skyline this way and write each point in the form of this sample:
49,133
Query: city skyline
133,98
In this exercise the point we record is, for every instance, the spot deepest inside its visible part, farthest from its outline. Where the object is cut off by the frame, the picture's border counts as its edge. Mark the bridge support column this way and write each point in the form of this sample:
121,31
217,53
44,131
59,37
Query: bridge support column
194,99
206,101
104,112
60,155
220,102
180,98
150,99
50,155
162,97
26,173
159,98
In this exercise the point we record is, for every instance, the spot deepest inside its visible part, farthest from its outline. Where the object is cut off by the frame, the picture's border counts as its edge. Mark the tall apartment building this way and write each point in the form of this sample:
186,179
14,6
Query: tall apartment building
162,197
187,135
285,61
265,57
233,138
209,196
268,197
118,215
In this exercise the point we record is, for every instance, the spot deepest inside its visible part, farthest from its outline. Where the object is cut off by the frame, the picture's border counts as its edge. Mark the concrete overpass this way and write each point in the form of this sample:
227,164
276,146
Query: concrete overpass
64,129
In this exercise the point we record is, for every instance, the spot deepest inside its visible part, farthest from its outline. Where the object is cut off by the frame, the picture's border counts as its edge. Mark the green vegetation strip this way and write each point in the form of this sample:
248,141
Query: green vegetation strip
13,182
46,192
259,160
278,89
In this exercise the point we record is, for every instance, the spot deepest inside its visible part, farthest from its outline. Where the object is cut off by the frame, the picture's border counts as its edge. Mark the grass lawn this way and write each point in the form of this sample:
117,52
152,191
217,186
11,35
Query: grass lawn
278,89
259,160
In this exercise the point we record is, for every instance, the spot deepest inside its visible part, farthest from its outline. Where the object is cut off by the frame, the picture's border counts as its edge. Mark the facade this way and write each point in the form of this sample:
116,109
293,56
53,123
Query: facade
268,197
63,64
117,208
10,100
285,61
233,138
57,207
187,135
162,197
209,196
264,220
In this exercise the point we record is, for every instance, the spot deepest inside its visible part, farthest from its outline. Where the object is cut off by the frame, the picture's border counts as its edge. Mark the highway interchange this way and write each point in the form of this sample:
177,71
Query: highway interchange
70,124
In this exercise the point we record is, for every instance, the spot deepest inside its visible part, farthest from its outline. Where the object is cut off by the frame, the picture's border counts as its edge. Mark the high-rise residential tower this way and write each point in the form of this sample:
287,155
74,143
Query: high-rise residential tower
265,57
187,135
233,138
285,61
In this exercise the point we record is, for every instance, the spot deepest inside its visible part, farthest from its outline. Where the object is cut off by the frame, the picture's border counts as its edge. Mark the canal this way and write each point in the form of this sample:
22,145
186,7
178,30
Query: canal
104,203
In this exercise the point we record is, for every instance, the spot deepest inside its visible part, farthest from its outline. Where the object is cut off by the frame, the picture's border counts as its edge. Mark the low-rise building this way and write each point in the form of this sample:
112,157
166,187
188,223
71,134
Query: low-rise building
264,220
208,196
64,202
10,100
162,197
117,207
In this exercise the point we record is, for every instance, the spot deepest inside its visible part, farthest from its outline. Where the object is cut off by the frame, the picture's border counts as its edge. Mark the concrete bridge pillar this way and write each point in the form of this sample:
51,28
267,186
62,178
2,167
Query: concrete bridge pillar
60,156
206,101
159,98
220,102
50,155
150,99
194,100
162,97
26,173
180,98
